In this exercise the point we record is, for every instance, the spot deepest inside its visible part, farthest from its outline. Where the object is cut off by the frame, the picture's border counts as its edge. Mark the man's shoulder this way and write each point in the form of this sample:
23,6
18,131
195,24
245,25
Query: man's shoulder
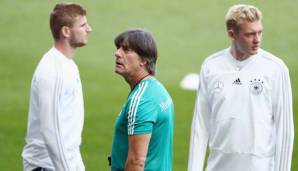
215,60
149,91
156,89
216,56
271,58
48,57
47,65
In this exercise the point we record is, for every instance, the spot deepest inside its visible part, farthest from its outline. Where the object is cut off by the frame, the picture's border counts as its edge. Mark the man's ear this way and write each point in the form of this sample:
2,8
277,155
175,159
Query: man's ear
143,62
65,31
231,34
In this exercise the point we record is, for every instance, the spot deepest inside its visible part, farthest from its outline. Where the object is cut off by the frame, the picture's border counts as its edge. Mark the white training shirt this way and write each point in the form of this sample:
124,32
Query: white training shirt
56,115
244,112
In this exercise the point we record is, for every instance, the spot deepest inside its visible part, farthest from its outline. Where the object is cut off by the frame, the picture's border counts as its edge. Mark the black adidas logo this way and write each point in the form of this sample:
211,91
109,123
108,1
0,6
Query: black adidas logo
237,82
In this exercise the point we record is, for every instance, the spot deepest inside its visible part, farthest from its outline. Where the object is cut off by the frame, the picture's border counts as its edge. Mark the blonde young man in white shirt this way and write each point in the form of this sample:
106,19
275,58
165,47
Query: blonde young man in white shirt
56,111
244,105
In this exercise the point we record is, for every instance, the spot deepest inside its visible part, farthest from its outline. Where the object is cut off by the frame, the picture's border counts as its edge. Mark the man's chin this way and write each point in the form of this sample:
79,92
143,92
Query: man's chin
118,72
253,52
79,44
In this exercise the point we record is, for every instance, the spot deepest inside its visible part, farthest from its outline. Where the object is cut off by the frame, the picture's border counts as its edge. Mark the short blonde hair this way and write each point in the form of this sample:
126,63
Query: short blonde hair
237,14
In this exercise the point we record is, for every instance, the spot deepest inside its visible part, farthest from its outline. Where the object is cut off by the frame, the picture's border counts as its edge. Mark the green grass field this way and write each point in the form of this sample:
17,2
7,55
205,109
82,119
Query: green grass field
186,32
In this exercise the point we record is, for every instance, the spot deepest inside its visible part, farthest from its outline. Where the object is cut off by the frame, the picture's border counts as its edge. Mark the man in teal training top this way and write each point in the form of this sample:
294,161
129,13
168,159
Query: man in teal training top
143,138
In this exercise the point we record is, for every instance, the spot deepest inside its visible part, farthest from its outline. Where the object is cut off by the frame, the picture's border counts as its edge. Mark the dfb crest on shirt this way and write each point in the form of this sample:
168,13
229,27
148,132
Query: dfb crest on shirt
256,86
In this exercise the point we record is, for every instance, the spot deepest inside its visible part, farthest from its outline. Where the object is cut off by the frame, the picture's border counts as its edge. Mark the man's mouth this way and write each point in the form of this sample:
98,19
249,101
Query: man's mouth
118,64
255,47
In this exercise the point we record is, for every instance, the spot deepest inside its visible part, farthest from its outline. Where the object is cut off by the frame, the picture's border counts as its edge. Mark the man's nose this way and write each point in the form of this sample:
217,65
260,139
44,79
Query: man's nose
257,38
89,29
117,53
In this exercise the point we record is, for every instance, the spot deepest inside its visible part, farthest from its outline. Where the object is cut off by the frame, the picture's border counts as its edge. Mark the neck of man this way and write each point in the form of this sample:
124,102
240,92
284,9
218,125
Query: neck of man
65,48
134,79
240,56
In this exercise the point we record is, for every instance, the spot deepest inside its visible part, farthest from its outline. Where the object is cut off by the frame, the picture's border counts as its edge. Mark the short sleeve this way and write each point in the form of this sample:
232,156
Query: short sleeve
141,116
